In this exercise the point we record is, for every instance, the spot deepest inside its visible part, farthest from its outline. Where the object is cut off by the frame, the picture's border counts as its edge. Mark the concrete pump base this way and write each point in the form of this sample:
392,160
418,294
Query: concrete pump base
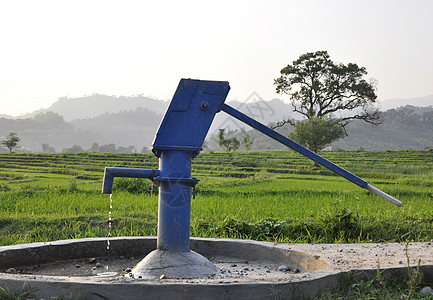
173,265
245,269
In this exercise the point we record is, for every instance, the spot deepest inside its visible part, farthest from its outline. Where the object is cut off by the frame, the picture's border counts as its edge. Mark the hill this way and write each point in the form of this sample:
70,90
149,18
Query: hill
132,122
95,105
415,102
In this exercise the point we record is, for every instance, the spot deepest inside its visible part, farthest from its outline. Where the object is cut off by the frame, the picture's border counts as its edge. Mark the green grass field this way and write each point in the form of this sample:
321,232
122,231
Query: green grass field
263,195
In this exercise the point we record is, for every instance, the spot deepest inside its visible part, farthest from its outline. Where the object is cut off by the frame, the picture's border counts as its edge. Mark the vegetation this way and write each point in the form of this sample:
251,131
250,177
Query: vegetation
247,141
229,144
320,88
317,133
262,195
11,141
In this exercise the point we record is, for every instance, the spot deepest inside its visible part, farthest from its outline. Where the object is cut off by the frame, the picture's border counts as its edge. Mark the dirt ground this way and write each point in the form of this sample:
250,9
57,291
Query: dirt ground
345,257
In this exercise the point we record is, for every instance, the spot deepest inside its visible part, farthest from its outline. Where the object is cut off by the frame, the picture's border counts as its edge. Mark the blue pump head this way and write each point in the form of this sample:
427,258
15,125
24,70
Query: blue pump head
190,115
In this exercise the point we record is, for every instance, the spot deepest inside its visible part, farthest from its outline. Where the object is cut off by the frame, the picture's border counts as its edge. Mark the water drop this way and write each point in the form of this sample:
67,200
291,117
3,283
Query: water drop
109,221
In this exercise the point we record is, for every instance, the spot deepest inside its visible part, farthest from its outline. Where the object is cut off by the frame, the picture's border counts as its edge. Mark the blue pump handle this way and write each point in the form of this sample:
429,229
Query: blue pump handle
308,153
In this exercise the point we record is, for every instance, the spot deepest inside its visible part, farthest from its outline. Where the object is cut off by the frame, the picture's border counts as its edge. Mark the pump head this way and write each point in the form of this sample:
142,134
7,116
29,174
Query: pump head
190,115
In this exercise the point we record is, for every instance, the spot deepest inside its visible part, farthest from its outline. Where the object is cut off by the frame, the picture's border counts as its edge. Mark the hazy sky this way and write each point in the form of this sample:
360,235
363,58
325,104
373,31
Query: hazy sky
51,49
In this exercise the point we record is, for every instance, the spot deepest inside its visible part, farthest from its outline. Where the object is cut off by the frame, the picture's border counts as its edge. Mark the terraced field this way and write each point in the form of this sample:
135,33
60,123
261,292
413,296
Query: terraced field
265,195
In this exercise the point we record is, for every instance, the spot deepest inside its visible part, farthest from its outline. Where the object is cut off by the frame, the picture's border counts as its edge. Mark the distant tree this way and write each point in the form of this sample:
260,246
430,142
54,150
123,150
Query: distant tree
46,148
230,144
129,149
11,141
74,149
221,137
317,133
247,141
94,148
319,88
205,145
108,148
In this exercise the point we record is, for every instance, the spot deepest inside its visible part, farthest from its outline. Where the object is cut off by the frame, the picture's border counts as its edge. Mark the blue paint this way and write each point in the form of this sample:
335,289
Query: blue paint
110,173
174,206
295,146
190,115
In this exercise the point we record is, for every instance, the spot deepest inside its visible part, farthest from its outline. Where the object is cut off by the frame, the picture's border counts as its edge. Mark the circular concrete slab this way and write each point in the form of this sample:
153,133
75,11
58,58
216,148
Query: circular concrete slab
245,269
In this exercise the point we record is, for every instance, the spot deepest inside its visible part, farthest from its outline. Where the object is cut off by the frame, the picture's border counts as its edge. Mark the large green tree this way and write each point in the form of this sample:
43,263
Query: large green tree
319,88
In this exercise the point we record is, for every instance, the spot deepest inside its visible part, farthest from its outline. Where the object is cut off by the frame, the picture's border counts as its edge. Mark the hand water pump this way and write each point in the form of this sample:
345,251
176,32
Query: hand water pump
177,141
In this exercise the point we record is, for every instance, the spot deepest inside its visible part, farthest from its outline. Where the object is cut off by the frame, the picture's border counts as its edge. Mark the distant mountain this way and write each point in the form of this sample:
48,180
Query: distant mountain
395,103
126,128
95,105
407,127
133,121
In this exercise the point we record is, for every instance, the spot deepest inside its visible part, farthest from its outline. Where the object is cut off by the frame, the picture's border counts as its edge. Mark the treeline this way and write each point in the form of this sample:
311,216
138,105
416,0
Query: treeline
407,127
49,132
107,148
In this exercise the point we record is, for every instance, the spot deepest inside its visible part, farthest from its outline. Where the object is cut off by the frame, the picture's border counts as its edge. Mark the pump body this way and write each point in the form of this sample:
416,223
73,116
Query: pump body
178,140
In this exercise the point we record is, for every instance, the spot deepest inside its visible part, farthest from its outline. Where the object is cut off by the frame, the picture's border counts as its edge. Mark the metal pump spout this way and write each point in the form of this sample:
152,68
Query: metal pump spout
110,173
178,140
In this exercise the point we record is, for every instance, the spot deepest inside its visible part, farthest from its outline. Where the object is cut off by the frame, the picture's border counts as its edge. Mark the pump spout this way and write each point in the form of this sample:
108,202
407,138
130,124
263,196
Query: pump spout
110,173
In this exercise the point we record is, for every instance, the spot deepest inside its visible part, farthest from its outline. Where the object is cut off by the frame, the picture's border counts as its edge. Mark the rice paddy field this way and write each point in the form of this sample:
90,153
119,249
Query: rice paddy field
262,195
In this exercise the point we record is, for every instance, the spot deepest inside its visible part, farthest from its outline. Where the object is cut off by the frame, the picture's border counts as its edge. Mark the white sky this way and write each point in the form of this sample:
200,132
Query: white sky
51,49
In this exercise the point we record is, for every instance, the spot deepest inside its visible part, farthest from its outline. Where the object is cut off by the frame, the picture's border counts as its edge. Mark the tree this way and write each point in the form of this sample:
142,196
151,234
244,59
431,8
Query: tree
247,141
230,144
320,88
11,141
73,149
46,148
317,133
221,137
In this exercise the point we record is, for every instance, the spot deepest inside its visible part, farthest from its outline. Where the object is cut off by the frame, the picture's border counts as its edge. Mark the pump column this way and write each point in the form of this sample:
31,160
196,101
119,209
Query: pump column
174,207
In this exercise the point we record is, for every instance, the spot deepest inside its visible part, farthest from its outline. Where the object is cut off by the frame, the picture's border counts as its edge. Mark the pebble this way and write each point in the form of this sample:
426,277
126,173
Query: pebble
283,268
98,265
92,260
128,270
94,268
77,266
11,271
162,277
426,290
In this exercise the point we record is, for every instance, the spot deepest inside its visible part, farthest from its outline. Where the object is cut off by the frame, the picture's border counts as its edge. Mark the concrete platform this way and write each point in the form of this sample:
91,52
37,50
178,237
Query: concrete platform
246,269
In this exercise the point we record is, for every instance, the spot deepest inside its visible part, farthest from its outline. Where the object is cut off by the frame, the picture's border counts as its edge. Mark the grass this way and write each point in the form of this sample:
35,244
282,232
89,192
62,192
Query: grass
265,195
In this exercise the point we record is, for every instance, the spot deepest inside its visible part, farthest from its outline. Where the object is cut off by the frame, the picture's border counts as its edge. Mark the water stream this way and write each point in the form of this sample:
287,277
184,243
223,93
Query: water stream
109,222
